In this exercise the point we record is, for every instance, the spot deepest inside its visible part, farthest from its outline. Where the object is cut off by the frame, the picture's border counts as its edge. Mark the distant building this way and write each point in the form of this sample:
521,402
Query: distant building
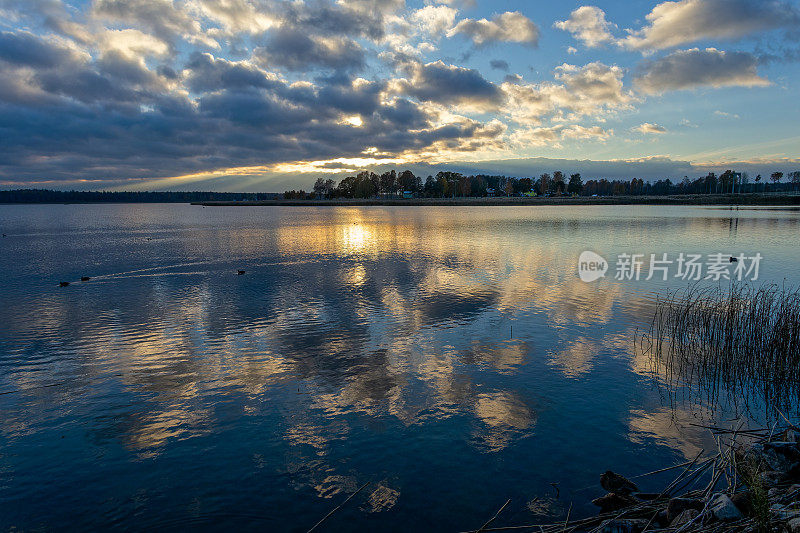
408,194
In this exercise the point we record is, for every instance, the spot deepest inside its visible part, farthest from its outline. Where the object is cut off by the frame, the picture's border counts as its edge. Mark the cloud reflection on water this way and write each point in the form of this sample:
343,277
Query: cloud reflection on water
348,321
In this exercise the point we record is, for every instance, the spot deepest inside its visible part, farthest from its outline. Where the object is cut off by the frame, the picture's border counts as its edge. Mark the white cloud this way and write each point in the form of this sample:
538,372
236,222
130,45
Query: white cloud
590,90
552,135
672,24
725,115
133,43
510,27
588,24
650,129
435,20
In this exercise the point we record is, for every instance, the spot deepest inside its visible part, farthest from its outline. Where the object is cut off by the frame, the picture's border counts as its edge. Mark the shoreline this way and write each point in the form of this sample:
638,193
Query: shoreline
751,485
695,199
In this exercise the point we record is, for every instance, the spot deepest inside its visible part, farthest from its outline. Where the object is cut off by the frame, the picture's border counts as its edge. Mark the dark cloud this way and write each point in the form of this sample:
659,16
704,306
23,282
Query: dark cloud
499,64
296,49
688,69
439,82
112,118
204,73
26,49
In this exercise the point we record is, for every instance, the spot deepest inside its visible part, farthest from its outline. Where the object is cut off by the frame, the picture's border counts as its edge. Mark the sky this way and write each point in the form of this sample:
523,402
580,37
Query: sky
265,95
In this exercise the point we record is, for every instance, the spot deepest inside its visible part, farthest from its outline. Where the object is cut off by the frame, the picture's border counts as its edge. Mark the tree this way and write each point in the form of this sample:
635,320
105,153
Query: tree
558,181
407,181
388,182
544,183
430,186
776,177
795,178
319,188
575,185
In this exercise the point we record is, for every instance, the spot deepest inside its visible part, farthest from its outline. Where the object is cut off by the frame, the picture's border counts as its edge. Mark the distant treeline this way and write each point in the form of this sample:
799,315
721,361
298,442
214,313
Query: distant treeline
44,196
452,184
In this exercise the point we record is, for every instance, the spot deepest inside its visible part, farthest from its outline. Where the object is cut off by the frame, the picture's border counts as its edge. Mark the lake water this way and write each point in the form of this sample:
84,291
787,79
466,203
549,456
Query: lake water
451,357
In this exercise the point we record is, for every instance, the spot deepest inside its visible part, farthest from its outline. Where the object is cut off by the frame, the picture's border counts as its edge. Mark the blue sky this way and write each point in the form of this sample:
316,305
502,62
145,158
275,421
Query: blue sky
269,94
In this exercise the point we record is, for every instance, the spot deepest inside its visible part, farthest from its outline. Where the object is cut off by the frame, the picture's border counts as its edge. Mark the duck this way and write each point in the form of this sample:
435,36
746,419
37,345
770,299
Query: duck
240,272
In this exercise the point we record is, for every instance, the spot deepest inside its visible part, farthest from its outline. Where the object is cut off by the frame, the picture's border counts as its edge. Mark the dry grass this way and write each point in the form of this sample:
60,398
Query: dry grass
739,343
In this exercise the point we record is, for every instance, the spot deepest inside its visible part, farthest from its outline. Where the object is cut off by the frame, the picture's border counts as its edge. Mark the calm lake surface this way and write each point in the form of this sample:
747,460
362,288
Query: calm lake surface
450,356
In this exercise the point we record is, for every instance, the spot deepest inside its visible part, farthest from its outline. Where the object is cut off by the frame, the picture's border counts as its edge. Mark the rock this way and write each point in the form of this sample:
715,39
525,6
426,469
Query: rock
770,478
774,494
661,518
684,518
724,509
790,435
240,272
676,506
777,462
744,502
85,278
794,471
613,502
613,482
647,496
63,284
788,449
623,526
782,512
793,525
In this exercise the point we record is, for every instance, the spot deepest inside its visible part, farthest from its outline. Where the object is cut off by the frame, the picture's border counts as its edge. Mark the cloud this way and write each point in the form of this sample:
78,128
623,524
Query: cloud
435,20
163,18
499,64
592,89
552,135
689,69
510,27
726,115
650,129
449,84
588,24
672,24
26,49
296,49
110,117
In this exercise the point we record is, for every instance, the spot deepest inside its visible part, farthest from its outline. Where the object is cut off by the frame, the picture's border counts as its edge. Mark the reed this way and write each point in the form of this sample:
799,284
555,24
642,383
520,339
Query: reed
738,342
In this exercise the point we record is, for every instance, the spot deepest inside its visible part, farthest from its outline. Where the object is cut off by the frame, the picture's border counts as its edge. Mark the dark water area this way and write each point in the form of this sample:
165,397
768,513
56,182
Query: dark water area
450,356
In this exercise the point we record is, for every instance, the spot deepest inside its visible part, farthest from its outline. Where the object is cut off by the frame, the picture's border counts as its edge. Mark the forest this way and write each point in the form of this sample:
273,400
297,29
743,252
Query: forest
368,184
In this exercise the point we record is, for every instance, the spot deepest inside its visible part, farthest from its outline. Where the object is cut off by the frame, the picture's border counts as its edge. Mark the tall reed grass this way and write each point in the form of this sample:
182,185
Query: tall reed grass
739,342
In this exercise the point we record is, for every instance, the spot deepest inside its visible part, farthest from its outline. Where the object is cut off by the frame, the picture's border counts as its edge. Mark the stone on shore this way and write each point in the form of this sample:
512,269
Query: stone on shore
744,502
684,518
613,502
724,509
623,526
794,525
677,506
